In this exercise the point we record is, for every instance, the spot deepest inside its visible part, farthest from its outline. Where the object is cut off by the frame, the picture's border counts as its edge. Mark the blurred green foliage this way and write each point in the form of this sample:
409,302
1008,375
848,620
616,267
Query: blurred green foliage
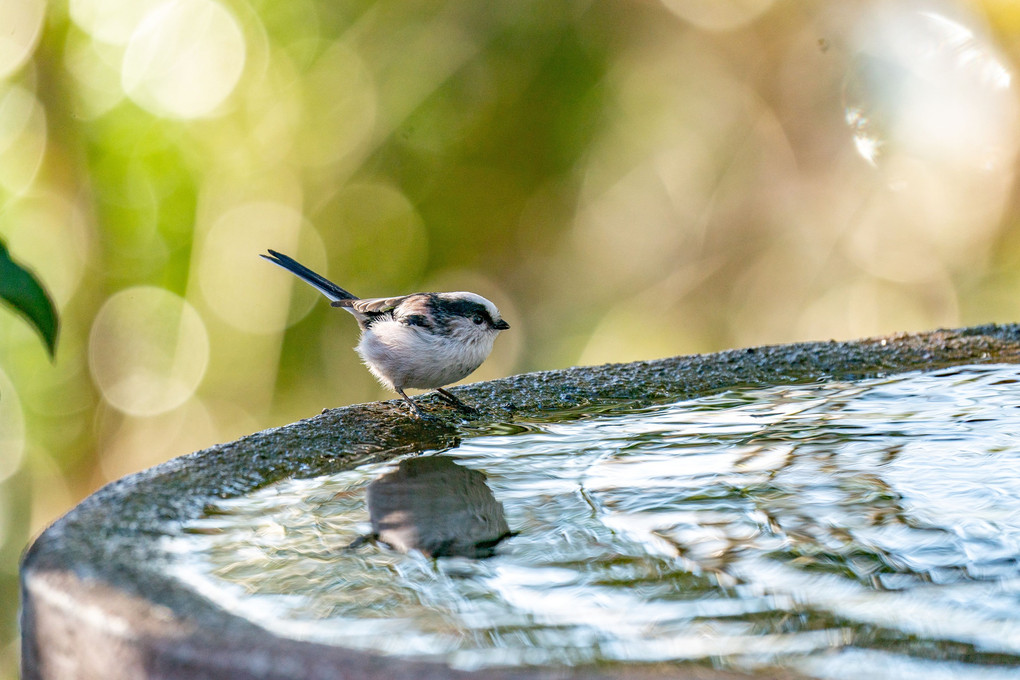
624,179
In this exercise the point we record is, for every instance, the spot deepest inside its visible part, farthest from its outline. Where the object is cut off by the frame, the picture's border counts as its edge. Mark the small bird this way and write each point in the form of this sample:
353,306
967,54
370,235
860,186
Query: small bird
419,341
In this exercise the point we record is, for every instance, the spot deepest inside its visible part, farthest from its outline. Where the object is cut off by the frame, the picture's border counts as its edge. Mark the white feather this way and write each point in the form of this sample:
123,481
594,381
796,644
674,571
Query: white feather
402,356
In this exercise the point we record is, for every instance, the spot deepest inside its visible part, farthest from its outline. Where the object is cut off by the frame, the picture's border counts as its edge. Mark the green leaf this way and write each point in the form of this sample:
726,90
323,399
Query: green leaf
20,289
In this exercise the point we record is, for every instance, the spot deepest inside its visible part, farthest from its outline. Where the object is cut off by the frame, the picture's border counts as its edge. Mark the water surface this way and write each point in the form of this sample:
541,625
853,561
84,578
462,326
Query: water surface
840,529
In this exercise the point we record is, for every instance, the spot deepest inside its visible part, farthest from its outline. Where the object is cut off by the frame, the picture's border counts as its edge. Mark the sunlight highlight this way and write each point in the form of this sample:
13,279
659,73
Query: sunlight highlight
184,59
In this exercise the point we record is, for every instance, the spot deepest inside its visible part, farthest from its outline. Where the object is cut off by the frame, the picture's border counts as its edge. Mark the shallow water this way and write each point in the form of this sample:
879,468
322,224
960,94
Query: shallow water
840,529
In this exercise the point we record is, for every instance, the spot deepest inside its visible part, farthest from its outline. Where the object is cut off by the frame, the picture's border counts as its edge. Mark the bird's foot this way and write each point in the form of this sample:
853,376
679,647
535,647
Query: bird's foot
454,401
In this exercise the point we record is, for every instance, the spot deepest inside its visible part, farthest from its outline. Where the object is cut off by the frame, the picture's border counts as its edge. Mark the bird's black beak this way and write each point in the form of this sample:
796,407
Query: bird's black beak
501,325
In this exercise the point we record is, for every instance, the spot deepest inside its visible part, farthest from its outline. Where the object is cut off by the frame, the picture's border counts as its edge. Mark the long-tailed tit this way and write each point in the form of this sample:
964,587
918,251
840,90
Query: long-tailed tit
419,341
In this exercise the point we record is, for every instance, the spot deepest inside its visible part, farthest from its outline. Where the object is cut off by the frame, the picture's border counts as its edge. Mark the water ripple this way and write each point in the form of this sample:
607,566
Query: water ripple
871,525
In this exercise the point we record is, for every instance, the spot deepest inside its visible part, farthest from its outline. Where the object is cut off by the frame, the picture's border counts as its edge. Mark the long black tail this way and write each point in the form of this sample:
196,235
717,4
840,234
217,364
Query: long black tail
320,283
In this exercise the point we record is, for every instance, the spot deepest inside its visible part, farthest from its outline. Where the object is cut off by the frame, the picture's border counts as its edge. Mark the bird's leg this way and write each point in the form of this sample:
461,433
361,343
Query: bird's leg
450,399
414,407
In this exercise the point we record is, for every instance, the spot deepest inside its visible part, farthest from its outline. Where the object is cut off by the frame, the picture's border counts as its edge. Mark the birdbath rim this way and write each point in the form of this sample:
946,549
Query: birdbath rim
97,600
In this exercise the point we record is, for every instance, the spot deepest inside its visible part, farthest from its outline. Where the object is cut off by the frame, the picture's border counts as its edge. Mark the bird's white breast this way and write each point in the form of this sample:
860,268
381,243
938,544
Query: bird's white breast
403,356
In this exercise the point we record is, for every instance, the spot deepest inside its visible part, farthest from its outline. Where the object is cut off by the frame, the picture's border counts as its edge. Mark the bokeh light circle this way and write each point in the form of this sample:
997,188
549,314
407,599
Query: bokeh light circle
95,68
110,21
184,59
380,234
50,231
244,290
12,429
148,350
340,107
929,86
22,22
22,138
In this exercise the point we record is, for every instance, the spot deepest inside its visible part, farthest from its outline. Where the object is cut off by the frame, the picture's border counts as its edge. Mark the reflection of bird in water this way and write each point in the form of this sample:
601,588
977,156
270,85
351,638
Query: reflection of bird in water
434,505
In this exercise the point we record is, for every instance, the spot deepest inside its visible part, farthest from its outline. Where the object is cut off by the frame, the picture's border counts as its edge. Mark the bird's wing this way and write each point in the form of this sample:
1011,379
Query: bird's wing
371,305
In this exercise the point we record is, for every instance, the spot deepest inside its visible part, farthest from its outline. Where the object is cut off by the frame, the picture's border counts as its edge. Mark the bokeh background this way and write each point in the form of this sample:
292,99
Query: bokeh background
626,179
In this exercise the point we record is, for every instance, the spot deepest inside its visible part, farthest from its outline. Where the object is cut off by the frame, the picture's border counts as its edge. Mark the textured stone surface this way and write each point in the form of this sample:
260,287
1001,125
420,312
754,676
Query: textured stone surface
95,600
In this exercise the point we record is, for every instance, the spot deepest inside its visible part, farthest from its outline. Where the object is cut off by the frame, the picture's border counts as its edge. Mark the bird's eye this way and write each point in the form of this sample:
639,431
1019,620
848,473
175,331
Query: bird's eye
477,318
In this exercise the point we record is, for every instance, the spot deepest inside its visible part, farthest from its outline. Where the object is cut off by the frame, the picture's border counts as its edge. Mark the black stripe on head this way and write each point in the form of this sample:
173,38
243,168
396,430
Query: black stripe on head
446,309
